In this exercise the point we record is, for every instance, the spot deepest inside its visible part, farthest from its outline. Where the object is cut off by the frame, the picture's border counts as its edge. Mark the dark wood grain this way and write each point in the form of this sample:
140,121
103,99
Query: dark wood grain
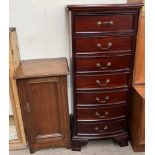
91,64
89,23
119,43
89,128
105,98
90,81
100,113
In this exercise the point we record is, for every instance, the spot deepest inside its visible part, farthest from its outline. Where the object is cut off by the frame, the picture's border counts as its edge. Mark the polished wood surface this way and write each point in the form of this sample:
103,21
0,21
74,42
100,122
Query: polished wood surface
100,128
100,98
41,68
86,44
95,64
103,22
44,104
100,113
103,48
97,82
14,60
137,123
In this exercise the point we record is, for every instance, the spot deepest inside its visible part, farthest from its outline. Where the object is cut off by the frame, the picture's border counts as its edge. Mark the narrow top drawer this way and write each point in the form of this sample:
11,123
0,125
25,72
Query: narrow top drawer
104,23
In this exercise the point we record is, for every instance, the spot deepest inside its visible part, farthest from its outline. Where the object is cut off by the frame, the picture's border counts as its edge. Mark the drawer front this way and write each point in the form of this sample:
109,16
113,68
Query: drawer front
102,63
101,81
104,23
101,127
101,98
103,113
103,44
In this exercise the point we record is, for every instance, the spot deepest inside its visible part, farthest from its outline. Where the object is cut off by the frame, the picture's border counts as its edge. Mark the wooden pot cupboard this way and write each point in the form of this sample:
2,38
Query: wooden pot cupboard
42,88
102,59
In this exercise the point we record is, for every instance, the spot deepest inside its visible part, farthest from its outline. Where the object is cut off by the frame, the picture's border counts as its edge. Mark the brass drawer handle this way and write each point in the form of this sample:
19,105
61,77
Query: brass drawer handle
102,101
104,129
99,46
101,116
99,23
100,66
103,84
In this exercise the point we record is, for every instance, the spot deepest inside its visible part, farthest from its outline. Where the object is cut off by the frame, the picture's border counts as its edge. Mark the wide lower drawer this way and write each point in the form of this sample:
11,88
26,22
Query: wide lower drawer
100,98
100,64
101,81
101,127
103,44
103,23
104,113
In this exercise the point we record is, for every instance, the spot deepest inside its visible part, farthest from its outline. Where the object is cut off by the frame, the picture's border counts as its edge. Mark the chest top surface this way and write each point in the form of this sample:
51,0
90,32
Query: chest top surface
41,68
100,7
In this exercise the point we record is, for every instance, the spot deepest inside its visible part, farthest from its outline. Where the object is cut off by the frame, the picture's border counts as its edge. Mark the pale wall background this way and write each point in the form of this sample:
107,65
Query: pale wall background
42,27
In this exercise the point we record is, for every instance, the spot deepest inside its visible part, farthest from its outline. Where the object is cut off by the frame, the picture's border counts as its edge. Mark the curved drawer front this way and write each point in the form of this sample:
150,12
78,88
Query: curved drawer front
100,98
102,63
103,23
103,44
104,113
101,127
88,82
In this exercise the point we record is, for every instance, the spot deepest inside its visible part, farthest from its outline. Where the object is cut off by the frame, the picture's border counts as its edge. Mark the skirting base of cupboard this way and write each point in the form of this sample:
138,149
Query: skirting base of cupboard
64,144
77,141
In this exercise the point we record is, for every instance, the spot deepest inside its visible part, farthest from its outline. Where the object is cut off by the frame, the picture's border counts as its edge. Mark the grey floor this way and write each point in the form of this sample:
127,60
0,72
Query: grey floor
12,129
106,147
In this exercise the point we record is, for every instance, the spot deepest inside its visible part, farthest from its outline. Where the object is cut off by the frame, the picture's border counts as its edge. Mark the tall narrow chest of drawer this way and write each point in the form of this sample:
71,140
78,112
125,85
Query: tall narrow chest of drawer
103,39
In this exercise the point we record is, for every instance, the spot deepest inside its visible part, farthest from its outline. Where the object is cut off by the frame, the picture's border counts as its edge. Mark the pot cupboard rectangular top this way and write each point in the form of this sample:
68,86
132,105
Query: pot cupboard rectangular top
41,68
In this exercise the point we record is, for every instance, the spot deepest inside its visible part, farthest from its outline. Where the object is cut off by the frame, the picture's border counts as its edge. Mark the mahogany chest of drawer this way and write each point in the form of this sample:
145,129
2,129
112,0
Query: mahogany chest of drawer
102,59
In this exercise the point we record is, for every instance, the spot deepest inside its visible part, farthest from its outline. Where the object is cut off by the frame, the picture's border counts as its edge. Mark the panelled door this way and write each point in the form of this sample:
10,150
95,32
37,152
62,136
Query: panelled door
43,111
